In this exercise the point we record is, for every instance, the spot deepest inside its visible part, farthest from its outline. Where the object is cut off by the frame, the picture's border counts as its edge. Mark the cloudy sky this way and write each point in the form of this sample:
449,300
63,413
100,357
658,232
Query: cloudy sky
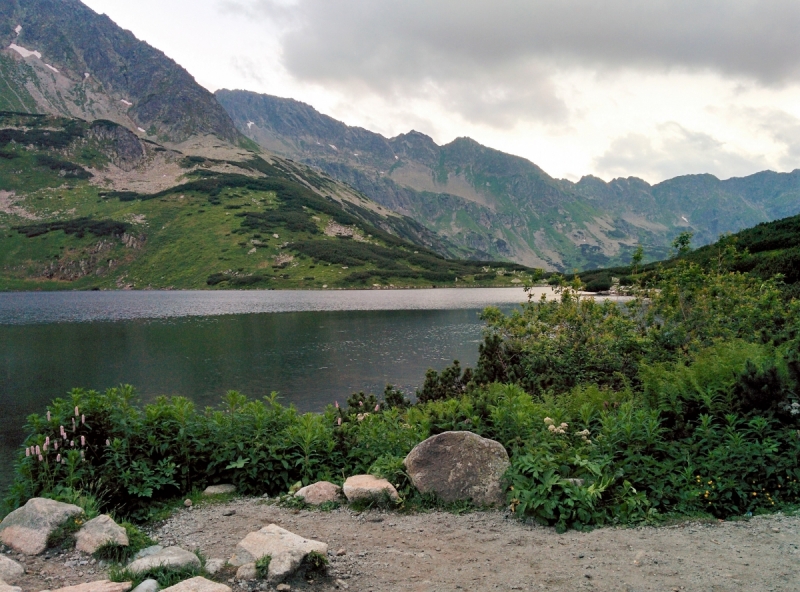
650,88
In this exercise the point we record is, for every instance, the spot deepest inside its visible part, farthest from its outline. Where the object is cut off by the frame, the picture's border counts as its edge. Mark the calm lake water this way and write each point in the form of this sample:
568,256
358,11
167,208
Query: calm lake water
311,347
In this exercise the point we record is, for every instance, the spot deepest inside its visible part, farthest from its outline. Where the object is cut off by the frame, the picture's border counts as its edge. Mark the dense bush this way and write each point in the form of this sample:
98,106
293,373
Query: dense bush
79,227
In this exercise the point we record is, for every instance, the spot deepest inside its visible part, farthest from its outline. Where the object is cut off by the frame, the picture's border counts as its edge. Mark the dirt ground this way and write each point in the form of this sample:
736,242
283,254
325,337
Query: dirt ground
386,552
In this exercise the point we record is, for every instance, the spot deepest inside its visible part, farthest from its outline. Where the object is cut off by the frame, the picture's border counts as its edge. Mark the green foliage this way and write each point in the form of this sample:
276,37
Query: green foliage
164,575
113,553
262,567
316,562
63,537
79,227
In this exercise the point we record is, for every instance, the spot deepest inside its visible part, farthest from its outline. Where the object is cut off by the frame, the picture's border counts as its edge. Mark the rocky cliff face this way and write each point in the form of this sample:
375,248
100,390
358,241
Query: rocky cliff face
62,58
505,206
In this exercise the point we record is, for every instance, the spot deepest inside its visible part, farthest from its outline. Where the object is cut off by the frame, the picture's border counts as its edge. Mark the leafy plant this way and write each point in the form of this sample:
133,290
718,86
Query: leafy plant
262,567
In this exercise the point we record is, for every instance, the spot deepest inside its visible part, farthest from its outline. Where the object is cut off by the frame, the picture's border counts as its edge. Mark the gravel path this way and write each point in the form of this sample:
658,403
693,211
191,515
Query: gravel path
387,552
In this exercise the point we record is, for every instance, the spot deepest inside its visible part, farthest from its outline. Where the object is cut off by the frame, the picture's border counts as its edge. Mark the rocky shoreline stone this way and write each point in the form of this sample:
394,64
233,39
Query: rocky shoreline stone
27,529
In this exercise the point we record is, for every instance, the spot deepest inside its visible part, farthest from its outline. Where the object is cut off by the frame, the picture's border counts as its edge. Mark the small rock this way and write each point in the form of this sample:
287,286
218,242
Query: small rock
367,487
147,586
188,503
98,586
221,489
198,584
283,587
98,532
776,530
10,570
148,551
26,529
286,549
341,552
247,572
229,512
167,557
319,493
214,565
8,587
341,584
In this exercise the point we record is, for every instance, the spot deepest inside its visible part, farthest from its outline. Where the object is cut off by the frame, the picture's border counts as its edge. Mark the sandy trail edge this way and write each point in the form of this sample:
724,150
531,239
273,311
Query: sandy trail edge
390,552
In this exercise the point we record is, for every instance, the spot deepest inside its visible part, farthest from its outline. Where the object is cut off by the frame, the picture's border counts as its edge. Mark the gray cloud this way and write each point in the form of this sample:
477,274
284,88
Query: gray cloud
483,57
676,151
784,128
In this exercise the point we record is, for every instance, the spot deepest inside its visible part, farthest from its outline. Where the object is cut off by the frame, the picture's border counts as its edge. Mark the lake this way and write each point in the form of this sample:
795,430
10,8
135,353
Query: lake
312,347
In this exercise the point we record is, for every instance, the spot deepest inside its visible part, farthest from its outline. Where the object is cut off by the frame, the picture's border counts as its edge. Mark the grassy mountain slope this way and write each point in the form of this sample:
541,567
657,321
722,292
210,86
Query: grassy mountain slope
92,69
506,206
91,205
765,250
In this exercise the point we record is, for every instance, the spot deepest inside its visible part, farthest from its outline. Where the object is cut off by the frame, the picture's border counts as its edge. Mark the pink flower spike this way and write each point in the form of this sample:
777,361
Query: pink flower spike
72,443
27,451
83,418
58,458
48,416
336,403
361,403
339,421
377,408
108,442
38,449
83,440
45,447
47,440
41,458
77,413
55,445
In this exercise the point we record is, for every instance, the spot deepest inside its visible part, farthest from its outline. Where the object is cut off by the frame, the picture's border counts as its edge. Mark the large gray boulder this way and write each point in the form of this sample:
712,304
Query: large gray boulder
98,532
26,529
368,487
459,466
166,557
286,549
10,570
198,584
319,493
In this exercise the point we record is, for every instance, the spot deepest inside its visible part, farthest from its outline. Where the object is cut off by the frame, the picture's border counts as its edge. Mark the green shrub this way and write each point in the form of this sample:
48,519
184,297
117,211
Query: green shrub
262,567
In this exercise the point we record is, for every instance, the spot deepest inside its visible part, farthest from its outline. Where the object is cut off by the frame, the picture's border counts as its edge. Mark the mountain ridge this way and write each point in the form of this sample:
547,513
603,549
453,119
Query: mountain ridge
506,205
82,56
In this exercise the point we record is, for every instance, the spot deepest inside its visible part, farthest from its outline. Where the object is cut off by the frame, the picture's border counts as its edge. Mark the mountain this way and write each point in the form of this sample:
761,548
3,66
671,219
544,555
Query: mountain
504,205
92,205
59,57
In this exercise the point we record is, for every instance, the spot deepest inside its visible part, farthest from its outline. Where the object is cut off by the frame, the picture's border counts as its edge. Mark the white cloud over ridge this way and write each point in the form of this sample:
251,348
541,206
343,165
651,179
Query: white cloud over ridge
652,88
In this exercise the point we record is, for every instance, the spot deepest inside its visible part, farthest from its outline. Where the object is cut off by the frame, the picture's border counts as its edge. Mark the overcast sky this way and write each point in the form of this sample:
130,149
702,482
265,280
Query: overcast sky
647,88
